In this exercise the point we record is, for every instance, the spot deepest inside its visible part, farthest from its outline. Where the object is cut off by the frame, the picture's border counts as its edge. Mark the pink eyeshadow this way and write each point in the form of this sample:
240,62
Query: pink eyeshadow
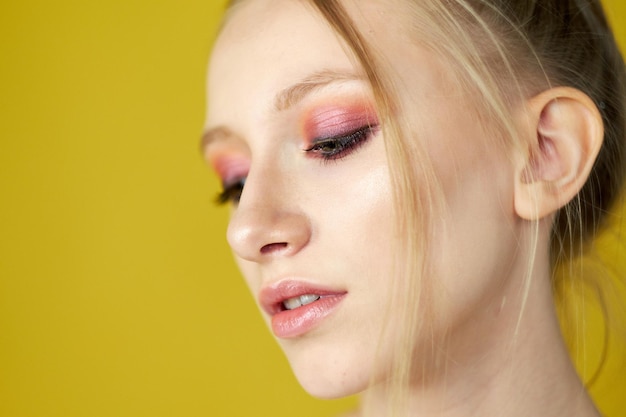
335,120
230,166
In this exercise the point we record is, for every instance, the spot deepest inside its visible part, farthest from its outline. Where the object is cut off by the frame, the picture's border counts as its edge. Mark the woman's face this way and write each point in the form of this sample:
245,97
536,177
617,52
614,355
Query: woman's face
291,115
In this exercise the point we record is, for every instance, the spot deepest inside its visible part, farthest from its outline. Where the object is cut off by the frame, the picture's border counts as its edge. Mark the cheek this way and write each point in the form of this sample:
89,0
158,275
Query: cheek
351,209
475,241
251,275
364,207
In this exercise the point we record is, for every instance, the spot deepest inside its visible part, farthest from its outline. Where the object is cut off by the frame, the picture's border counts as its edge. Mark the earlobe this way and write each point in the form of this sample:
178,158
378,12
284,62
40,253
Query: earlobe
564,131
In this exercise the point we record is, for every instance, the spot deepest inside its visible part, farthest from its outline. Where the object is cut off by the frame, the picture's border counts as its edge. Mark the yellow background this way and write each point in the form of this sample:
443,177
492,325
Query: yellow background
118,296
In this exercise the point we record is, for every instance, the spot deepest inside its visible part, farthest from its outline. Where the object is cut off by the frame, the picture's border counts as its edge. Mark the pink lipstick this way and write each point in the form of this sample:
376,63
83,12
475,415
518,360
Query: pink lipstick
296,307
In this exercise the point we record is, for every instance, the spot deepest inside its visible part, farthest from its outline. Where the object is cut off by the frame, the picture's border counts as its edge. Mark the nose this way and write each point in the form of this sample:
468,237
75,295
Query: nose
267,223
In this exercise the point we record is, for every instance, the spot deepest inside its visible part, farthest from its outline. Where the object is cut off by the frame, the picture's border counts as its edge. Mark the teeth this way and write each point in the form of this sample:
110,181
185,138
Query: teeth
309,298
303,300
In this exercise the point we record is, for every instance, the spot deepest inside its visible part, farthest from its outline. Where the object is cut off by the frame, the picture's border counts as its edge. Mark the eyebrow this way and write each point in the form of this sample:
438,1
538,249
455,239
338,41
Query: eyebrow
288,97
213,135
294,94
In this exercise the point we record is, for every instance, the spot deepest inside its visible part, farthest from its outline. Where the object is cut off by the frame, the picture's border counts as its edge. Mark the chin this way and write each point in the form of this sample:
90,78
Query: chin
328,387
328,373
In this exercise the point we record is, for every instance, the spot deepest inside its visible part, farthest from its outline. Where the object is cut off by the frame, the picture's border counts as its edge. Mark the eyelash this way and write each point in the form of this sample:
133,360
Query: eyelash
341,146
338,147
231,192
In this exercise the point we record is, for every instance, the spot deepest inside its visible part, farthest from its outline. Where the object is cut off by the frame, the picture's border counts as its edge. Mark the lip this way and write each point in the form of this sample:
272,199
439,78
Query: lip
299,321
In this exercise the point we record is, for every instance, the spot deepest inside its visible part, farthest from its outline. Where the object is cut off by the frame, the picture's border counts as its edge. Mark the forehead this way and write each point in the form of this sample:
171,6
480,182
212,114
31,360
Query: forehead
264,30
268,44
284,23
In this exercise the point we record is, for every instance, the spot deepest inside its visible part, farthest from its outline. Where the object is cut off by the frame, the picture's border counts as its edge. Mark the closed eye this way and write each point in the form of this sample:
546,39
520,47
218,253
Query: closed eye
338,147
231,193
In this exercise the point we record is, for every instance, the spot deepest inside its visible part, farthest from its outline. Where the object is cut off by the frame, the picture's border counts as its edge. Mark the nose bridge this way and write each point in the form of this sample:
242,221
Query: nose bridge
268,221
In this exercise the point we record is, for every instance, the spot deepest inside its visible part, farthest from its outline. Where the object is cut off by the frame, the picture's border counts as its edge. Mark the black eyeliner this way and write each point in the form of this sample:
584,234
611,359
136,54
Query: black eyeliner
341,145
231,192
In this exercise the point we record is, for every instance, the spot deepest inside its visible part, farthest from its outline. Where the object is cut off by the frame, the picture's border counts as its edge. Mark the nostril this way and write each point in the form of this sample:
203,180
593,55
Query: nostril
273,247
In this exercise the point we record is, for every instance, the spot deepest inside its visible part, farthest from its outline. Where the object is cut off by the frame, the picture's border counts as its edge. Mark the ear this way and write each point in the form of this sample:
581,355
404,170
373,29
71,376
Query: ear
564,131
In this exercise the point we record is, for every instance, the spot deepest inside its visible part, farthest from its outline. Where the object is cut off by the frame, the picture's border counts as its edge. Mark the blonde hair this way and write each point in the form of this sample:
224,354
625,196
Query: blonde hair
503,51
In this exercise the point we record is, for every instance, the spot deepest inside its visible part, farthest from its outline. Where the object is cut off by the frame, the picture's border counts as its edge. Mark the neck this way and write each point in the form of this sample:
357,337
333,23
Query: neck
514,365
